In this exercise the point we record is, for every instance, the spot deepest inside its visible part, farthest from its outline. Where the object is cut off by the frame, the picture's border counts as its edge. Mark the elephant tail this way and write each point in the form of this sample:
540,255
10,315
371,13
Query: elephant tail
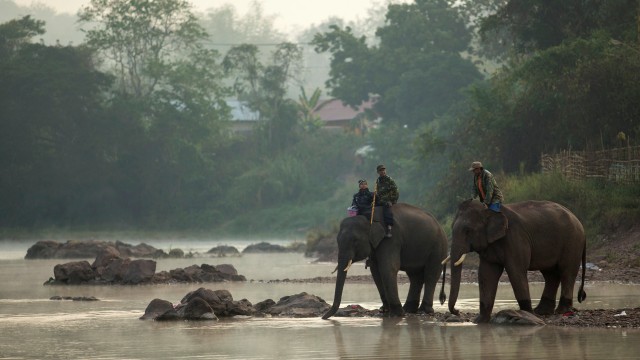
581,293
443,297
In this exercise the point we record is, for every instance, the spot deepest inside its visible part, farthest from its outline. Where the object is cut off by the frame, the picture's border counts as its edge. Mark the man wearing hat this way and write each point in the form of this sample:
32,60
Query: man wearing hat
386,195
363,199
485,187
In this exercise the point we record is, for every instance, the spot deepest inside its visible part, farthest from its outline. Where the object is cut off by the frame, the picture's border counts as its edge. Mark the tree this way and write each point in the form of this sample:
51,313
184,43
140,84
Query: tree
416,69
55,140
173,88
227,28
306,105
142,39
17,33
264,88
540,24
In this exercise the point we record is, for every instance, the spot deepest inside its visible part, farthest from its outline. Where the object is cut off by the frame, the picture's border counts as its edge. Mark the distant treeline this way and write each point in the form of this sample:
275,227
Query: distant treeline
131,128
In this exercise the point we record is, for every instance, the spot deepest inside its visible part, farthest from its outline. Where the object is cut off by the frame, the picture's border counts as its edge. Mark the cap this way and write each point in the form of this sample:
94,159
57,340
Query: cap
362,181
475,165
380,167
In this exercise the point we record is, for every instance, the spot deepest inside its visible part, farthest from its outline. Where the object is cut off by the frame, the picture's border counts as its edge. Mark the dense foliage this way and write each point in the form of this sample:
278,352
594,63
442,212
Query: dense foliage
131,128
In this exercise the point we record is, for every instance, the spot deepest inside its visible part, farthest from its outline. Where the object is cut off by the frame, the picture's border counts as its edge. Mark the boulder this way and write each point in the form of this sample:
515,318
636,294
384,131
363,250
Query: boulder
44,249
264,247
83,249
195,274
226,269
196,309
109,268
141,250
206,304
159,309
74,273
114,271
217,300
224,250
516,317
176,253
139,271
263,306
300,305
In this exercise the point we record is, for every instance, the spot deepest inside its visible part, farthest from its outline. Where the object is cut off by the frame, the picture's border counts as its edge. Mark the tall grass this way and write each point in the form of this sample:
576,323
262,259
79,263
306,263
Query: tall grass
600,206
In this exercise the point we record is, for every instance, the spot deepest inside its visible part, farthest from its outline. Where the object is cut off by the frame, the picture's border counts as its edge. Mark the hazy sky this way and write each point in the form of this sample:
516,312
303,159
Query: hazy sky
291,14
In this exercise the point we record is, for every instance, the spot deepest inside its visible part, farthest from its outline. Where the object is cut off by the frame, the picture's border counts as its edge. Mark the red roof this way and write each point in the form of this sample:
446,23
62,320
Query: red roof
335,110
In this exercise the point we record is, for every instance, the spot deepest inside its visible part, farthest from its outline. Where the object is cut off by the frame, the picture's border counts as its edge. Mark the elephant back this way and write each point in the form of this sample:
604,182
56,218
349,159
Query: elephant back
414,219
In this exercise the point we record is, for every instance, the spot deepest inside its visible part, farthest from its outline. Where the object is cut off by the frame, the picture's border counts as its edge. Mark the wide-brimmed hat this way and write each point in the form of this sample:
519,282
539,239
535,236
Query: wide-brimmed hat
475,165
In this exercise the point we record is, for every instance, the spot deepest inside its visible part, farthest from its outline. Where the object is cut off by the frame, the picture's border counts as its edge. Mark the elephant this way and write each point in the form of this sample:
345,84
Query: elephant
528,235
418,246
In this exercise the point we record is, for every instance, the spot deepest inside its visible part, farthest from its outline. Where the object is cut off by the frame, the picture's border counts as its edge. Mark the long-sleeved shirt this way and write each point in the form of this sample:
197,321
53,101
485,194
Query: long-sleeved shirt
387,190
487,189
362,200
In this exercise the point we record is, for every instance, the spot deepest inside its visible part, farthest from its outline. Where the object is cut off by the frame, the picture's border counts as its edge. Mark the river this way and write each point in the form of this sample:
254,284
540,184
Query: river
34,327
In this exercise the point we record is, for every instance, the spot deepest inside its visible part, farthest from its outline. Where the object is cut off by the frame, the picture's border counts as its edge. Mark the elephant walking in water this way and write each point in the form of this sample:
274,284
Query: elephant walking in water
529,235
417,247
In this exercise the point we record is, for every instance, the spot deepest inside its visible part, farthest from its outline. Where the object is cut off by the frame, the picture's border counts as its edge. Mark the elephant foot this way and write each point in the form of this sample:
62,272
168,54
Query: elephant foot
545,307
395,311
427,309
482,319
525,305
411,307
564,306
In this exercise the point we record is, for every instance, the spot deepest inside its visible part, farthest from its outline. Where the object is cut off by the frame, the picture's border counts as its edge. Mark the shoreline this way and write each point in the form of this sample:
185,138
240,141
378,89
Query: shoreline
623,318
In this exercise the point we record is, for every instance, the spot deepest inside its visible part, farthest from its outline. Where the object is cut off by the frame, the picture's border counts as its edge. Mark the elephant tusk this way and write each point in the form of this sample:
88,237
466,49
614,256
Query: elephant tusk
457,263
348,266
446,260
334,270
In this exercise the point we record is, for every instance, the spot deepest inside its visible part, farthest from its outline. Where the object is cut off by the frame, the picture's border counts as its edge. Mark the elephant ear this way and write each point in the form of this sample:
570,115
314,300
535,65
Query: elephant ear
497,225
376,234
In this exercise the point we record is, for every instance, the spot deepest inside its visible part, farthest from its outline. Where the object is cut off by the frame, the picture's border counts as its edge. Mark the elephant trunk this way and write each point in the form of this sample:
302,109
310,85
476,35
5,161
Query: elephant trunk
456,275
343,266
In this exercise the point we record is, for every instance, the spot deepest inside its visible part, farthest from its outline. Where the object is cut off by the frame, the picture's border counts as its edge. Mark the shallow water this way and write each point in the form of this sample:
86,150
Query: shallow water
34,327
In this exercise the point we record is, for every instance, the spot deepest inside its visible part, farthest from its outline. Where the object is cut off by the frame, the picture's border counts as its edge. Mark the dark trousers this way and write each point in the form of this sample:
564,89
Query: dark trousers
387,215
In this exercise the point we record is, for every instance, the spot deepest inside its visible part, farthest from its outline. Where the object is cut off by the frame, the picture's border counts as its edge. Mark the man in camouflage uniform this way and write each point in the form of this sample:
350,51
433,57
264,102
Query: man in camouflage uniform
485,187
386,195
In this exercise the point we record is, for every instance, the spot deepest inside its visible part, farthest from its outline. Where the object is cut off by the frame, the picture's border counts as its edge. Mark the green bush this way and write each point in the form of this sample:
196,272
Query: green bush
601,207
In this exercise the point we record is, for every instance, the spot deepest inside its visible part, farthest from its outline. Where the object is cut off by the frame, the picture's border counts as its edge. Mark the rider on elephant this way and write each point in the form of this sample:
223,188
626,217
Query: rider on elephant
485,187
386,195
363,199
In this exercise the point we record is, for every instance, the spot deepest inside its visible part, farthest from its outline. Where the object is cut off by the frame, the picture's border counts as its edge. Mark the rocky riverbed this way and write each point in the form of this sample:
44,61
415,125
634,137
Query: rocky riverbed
596,318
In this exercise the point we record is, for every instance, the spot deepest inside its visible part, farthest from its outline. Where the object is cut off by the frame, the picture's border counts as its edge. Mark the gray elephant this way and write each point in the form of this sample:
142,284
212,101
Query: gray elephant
417,247
529,235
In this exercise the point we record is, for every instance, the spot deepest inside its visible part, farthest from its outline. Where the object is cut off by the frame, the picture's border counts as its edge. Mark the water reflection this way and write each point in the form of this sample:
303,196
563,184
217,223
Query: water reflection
31,326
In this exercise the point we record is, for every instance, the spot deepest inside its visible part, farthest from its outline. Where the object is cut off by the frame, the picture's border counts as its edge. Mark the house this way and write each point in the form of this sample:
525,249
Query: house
242,118
338,116
334,114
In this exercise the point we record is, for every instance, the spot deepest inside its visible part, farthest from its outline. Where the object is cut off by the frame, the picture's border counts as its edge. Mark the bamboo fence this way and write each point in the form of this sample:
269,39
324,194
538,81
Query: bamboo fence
619,165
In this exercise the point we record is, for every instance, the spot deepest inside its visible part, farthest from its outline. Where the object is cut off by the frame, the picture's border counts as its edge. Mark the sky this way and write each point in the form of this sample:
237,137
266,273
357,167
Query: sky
291,14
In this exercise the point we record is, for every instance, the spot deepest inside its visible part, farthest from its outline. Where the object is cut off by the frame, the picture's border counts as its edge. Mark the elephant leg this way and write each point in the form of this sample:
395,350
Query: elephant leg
488,277
377,279
413,297
548,298
568,281
564,305
520,286
391,293
431,277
